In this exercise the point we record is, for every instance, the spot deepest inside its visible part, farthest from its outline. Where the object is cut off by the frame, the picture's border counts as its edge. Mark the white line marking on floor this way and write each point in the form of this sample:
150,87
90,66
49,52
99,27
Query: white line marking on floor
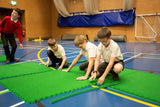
133,57
3,91
15,105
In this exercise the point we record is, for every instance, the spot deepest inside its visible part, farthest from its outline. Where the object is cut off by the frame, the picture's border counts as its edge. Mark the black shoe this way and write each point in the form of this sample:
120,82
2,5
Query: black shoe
7,61
115,76
52,65
14,60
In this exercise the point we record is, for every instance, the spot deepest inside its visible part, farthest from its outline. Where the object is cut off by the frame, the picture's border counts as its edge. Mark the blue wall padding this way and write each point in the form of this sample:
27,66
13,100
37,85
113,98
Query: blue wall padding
104,19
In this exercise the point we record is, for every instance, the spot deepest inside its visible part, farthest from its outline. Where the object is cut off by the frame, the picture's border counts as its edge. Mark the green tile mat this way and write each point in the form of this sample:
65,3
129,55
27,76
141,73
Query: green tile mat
19,69
39,86
140,84
2,58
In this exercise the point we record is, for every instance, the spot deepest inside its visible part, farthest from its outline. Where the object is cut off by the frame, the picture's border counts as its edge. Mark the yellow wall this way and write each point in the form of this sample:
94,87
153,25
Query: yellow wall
41,17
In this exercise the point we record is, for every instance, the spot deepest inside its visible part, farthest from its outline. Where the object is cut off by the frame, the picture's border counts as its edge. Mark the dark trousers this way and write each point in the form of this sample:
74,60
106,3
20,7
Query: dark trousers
102,67
9,38
84,67
55,60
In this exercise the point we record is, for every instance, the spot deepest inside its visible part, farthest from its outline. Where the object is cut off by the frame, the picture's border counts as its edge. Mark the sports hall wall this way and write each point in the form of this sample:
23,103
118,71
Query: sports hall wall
36,19
40,17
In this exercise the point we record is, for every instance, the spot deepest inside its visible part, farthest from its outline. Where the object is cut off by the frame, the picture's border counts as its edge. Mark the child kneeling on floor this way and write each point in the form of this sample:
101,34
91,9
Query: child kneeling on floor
111,53
56,54
88,50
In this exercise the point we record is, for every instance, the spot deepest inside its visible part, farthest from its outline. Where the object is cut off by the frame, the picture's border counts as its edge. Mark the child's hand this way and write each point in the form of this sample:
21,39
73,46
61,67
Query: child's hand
65,70
100,81
82,78
60,68
93,77
21,46
46,64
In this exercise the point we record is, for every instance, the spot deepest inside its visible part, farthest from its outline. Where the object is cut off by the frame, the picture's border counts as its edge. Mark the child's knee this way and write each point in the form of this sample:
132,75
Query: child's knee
118,68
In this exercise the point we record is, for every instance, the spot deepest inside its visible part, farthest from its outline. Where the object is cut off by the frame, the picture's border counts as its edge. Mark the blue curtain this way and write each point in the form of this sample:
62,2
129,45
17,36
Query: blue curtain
103,19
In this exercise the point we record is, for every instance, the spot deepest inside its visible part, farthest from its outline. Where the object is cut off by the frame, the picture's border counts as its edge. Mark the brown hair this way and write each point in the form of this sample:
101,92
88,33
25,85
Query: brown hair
79,40
51,42
104,32
18,11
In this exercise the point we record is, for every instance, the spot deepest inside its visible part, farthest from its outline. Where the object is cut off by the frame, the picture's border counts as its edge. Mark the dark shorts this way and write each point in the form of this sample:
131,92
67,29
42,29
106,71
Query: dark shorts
102,66
84,67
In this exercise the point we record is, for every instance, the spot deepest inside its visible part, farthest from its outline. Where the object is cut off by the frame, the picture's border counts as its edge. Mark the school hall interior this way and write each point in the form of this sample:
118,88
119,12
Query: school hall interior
135,26
40,17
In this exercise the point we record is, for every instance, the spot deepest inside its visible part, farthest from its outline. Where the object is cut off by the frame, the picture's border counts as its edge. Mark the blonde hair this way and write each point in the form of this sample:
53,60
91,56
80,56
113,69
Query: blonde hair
51,42
79,40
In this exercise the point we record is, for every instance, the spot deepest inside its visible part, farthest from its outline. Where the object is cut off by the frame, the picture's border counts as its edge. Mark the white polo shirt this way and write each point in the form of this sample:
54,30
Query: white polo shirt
112,50
59,53
90,51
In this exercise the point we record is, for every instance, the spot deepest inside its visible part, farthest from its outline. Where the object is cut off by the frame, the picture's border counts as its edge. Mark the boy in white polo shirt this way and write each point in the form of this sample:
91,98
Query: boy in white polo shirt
56,54
88,50
111,53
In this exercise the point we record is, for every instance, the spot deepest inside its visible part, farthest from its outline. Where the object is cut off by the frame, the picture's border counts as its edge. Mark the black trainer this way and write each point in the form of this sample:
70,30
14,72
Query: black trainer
52,65
115,76
7,61
14,60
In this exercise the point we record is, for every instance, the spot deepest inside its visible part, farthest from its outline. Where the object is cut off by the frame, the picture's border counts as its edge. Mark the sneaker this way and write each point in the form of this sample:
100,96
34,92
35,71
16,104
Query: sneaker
115,76
7,61
14,60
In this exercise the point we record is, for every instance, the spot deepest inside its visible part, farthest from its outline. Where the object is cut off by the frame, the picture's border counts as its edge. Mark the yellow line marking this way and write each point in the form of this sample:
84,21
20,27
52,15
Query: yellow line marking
52,68
38,55
127,97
